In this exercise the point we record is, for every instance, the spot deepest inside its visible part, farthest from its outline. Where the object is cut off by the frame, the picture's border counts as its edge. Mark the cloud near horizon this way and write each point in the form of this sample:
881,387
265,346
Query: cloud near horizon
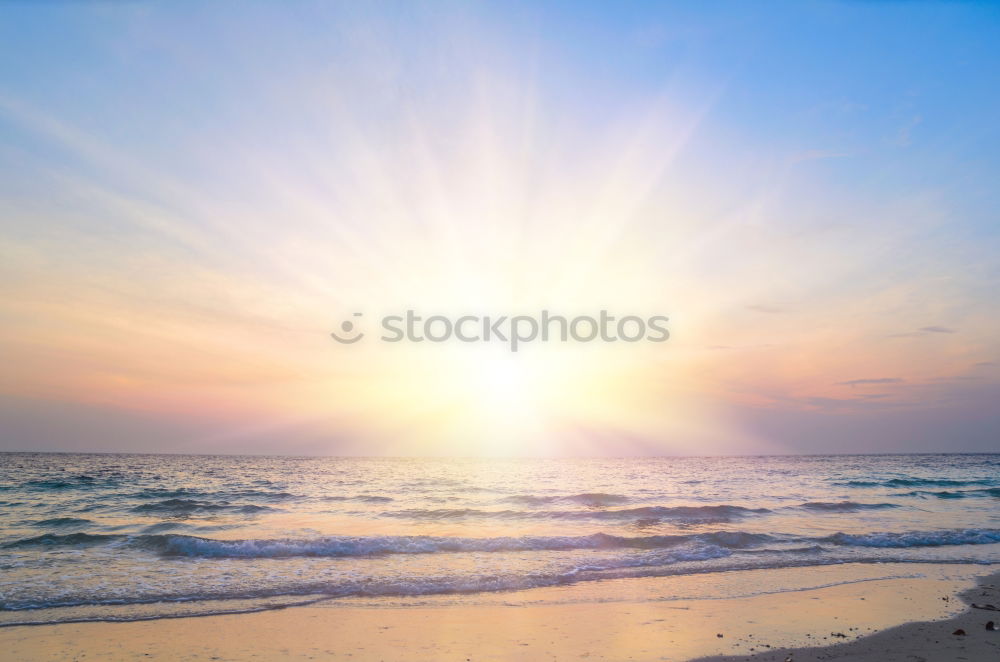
878,380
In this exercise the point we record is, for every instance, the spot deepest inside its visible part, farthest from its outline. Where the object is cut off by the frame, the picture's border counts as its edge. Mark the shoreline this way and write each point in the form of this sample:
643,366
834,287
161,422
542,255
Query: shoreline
678,618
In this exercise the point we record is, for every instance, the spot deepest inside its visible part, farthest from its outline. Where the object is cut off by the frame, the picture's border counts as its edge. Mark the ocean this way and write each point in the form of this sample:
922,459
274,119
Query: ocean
124,537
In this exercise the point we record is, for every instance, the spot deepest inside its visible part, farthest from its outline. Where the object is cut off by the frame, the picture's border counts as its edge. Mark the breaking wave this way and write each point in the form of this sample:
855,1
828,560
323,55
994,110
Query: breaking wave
917,538
177,545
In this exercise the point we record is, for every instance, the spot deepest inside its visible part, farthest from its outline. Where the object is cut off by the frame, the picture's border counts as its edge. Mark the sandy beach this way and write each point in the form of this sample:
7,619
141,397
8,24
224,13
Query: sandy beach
904,618
962,637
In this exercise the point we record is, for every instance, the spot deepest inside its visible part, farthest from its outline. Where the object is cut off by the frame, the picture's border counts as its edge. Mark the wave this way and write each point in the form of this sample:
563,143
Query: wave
187,493
67,540
530,499
376,546
159,493
917,538
259,494
67,483
63,521
178,545
337,546
956,494
603,557
378,587
589,499
914,482
187,506
844,506
696,560
690,514
361,546
367,498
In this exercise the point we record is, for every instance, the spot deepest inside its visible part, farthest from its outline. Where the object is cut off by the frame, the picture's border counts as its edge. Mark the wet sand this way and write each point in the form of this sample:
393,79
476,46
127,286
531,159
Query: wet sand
913,642
647,619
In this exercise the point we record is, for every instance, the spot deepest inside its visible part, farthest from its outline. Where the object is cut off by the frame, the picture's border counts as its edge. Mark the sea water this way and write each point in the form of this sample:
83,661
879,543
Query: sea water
120,537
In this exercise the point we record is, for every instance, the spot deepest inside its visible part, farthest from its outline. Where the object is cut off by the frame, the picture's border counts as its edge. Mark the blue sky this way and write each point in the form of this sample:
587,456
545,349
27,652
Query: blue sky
191,193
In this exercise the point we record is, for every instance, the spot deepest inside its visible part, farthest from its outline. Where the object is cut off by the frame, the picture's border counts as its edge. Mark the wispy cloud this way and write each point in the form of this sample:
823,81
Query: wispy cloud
863,382
924,331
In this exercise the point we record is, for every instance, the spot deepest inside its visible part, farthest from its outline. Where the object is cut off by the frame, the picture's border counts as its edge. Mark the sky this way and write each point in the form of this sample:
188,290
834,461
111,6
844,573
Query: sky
193,196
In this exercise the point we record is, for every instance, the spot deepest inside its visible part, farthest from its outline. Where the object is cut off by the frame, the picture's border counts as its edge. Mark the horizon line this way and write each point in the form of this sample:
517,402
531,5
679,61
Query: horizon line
498,457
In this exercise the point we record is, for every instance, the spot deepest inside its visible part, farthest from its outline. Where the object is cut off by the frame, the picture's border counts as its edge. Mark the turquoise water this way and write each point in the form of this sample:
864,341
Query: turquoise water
87,537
